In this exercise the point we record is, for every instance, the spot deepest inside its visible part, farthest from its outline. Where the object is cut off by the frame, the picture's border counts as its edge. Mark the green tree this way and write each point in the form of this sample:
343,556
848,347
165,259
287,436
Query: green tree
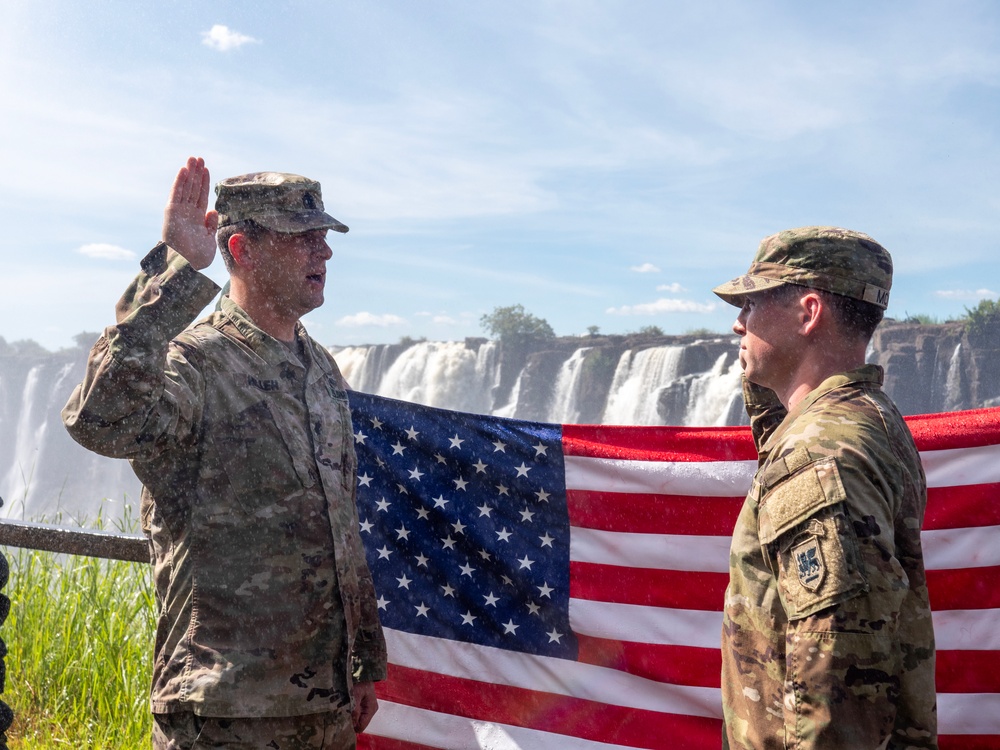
983,319
514,326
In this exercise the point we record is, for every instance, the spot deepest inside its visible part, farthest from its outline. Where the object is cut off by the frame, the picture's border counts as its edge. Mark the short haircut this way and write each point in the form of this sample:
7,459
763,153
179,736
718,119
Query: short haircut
248,227
854,315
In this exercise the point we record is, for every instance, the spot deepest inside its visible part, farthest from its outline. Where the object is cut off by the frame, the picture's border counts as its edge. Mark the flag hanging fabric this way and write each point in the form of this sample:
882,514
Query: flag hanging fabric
560,587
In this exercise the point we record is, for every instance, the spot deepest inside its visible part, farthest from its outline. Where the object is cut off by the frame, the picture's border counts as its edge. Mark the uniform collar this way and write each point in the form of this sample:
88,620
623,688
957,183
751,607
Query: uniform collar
269,348
864,376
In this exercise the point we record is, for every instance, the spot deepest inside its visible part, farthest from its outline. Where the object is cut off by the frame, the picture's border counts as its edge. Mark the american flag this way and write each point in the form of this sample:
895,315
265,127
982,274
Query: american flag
560,586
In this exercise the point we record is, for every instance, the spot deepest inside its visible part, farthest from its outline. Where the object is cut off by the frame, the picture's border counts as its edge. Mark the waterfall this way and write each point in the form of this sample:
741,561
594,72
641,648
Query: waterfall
712,396
446,374
438,374
454,375
43,473
360,366
636,385
17,482
564,408
953,380
509,409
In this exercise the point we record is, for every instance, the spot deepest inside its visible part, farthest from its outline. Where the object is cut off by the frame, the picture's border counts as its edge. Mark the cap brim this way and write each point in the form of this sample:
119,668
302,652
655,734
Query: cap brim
736,290
300,221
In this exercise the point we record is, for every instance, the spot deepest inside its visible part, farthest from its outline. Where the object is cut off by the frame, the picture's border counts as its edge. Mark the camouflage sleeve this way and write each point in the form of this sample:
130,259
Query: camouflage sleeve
764,409
840,685
138,387
842,658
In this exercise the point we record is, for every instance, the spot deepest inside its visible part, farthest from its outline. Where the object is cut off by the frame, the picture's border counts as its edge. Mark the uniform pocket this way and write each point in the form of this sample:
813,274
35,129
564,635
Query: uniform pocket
807,537
256,458
819,563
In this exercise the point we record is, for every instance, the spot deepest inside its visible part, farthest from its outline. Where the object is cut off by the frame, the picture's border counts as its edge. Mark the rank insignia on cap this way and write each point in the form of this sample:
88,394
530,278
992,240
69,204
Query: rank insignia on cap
808,559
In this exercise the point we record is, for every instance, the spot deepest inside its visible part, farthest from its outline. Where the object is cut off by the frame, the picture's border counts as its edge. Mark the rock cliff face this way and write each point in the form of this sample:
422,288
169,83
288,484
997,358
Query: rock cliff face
936,368
929,368
667,367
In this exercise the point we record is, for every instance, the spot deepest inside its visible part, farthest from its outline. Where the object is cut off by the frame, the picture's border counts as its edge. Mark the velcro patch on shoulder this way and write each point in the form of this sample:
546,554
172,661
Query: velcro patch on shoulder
783,466
798,497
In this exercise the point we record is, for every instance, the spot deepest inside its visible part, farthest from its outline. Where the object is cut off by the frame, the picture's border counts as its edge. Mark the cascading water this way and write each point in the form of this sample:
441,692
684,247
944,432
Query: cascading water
509,409
446,374
17,481
361,366
952,381
713,395
636,385
43,473
564,408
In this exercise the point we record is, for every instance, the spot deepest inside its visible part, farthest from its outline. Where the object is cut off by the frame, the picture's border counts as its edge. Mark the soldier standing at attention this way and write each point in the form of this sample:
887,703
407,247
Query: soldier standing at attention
827,637
239,429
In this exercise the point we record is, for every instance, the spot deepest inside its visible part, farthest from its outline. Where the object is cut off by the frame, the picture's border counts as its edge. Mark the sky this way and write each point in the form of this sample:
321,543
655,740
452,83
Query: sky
602,163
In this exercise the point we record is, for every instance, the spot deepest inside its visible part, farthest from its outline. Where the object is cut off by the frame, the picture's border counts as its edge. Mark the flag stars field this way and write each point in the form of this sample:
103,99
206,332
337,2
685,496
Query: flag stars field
468,532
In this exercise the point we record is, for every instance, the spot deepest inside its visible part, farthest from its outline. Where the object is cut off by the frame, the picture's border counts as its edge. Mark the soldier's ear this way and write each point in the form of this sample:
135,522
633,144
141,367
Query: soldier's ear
811,308
239,249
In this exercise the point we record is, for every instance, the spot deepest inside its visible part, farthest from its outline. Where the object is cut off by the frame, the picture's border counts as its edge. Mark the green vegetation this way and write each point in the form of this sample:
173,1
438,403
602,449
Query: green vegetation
79,641
513,326
651,331
983,319
704,332
921,318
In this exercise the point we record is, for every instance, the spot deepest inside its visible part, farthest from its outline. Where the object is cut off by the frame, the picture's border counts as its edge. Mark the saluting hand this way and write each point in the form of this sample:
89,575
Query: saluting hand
188,227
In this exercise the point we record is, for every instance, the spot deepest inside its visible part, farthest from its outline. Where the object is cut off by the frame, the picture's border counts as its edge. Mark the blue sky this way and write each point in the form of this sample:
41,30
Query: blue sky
602,163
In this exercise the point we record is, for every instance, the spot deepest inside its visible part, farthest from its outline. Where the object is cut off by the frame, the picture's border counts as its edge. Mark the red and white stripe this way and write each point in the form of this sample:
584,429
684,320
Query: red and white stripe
651,512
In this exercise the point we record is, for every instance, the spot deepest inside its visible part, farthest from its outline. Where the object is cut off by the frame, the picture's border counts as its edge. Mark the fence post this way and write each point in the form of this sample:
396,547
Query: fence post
6,713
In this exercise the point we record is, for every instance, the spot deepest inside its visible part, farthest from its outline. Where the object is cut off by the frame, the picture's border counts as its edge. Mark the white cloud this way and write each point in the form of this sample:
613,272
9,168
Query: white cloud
105,251
674,288
223,39
369,319
662,306
440,318
966,294
645,268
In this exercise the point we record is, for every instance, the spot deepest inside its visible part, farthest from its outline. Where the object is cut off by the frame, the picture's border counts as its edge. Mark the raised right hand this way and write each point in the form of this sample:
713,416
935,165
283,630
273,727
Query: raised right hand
188,227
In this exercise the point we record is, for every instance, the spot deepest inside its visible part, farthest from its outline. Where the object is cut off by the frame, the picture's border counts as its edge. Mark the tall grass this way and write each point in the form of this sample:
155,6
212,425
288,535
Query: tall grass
79,641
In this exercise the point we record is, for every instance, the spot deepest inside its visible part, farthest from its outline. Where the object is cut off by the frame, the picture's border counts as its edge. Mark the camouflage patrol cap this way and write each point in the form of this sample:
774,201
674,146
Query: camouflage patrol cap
835,260
281,202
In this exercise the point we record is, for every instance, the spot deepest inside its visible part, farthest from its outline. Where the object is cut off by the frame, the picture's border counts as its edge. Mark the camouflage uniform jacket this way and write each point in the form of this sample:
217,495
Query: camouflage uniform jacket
827,635
247,460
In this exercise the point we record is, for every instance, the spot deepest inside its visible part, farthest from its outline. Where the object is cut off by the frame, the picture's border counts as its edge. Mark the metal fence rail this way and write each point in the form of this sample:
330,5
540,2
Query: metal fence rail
109,545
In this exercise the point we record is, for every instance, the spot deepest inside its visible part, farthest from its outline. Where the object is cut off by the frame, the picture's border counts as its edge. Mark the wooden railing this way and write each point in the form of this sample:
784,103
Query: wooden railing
105,544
